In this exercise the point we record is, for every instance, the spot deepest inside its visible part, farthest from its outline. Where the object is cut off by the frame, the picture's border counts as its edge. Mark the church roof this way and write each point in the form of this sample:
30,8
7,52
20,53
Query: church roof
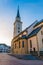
24,37
38,22
34,32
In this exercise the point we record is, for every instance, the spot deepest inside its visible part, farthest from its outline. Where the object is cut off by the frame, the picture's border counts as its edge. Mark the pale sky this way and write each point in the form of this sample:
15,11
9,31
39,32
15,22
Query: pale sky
30,10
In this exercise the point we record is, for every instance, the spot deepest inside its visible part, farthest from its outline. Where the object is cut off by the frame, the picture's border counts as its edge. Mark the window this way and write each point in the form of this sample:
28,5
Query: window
19,44
18,31
22,43
42,41
15,45
18,27
30,44
41,32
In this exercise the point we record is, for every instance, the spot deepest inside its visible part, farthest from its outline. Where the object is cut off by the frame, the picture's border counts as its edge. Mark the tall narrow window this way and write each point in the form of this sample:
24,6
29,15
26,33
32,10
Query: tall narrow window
18,31
19,44
41,32
30,44
22,43
15,45
42,41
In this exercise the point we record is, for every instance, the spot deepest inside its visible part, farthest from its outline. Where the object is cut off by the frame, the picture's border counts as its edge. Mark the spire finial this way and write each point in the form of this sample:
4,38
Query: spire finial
18,7
18,14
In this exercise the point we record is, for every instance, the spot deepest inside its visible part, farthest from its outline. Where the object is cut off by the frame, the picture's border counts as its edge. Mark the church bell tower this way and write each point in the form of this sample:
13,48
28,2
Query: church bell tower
17,24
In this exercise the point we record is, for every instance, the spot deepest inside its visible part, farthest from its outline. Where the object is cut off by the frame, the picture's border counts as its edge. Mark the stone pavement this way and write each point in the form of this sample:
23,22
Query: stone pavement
5,59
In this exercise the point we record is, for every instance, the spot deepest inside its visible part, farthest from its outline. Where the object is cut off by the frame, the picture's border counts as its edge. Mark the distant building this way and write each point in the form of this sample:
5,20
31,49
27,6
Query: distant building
29,40
4,48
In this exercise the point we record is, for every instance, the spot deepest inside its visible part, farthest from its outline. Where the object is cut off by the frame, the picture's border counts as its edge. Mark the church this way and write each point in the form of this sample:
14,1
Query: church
29,40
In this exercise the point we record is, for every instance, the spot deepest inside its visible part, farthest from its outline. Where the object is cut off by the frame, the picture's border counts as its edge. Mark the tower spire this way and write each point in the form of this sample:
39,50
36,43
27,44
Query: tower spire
17,24
18,14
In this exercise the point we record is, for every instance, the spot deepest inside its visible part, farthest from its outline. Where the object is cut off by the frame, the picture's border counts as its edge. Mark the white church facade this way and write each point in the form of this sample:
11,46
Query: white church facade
29,40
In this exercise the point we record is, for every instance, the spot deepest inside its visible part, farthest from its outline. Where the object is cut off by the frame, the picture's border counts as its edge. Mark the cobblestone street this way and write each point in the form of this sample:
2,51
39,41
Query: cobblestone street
5,59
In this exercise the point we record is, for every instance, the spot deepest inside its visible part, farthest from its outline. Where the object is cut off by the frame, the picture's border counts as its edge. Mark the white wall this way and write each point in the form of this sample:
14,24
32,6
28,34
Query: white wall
40,37
34,43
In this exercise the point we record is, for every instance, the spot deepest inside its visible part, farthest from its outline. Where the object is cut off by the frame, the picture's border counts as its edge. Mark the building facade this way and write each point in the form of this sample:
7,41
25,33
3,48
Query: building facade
4,48
29,40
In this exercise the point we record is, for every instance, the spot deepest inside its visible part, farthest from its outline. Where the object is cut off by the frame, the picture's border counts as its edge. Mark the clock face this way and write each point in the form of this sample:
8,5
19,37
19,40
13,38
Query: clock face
18,24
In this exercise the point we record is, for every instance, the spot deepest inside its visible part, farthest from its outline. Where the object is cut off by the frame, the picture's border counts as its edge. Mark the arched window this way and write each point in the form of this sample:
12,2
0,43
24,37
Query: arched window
22,44
42,41
41,32
15,45
19,44
30,44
